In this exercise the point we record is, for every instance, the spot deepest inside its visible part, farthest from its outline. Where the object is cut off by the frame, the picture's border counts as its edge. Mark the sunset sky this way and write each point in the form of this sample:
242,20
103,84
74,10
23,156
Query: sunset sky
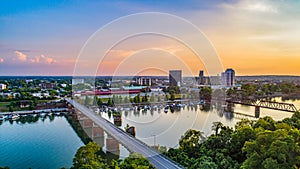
254,37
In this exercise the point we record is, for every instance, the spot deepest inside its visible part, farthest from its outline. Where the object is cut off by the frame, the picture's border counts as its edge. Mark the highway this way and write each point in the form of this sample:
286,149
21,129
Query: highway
134,145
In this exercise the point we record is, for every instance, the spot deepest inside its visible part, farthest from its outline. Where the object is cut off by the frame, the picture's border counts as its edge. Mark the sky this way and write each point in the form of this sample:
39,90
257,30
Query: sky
254,37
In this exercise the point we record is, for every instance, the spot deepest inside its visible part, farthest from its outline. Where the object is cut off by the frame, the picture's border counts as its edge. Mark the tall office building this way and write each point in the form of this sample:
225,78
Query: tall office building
201,77
228,77
175,77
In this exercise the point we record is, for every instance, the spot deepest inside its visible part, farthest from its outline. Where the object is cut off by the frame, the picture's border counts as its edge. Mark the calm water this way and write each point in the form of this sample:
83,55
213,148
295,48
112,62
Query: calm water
52,143
165,129
44,144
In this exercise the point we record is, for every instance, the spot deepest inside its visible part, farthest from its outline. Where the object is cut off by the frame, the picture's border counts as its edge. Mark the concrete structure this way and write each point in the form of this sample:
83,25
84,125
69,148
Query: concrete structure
175,78
228,77
134,145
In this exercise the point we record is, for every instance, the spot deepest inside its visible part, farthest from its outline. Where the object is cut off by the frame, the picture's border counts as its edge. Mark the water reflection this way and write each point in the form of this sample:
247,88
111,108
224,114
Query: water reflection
29,119
37,142
88,131
168,124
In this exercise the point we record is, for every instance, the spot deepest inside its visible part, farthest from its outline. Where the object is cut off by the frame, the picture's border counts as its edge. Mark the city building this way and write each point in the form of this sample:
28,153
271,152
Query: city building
175,77
2,86
47,85
228,77
201,77
145,81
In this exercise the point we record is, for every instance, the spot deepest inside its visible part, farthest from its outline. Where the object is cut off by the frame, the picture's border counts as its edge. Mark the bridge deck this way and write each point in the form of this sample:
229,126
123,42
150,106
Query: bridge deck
266,104
157,160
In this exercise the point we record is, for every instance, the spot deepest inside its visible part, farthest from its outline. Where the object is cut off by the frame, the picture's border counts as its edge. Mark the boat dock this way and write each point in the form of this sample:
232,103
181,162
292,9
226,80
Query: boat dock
28,112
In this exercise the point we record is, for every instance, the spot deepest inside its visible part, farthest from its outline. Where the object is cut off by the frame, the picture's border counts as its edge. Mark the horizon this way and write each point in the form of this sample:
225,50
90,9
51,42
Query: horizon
46,38
143,76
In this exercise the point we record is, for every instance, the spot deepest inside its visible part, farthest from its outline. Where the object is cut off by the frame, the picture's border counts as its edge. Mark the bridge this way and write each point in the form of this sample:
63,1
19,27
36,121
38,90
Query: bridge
265,104
131,143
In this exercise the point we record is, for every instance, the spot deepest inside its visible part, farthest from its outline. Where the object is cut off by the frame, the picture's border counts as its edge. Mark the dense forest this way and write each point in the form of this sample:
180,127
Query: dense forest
264,144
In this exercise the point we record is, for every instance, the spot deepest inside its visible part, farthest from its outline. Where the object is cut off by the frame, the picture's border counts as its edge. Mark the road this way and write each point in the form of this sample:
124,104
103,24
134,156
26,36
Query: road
157,160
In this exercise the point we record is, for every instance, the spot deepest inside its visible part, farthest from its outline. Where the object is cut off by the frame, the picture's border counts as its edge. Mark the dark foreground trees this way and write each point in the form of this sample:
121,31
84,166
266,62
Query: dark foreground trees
265,144
88,157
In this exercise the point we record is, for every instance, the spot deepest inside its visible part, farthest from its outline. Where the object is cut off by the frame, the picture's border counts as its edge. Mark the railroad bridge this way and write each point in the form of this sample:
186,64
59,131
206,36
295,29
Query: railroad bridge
264,104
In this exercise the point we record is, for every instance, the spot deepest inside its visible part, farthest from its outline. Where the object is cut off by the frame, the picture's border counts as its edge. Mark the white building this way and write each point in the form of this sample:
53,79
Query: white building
2,86
144,81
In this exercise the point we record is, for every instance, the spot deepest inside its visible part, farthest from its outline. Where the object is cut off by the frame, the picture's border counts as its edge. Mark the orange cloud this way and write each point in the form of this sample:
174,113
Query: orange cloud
42,59
21,56
37,59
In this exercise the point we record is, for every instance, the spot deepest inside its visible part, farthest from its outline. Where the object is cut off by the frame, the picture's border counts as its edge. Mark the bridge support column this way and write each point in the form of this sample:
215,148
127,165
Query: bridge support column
112,148
257,111
98,136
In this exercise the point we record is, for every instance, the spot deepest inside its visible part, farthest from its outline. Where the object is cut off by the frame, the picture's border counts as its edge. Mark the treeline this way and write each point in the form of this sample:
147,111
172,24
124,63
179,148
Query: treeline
263,90
265,144
88,157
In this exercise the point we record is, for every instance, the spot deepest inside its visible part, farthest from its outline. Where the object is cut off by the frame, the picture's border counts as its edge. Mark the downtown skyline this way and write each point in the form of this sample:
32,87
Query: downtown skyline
252,37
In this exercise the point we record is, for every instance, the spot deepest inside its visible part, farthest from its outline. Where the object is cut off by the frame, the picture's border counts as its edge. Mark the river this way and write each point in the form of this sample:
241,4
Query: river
38,143
165,129
52,142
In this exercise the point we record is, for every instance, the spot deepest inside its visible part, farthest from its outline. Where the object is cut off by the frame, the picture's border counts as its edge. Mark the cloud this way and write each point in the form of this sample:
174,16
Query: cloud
21,56
42,59
121,53
251,5
1,60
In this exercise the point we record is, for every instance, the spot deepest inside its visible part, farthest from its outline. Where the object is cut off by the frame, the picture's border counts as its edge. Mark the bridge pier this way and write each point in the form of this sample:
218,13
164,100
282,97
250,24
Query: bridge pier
98,136
112,149
257,111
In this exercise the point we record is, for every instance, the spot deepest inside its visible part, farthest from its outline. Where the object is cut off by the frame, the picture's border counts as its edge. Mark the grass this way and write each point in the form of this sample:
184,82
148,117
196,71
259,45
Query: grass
4,106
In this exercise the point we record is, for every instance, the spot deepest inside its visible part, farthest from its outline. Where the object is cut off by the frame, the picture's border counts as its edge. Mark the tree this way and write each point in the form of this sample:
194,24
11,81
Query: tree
134,161
126,100
87,100
190,142
10,108
152,98
277,148
172,97
137,98
205,93
145,98
87,157
216,126
109,102
266,123
99,102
